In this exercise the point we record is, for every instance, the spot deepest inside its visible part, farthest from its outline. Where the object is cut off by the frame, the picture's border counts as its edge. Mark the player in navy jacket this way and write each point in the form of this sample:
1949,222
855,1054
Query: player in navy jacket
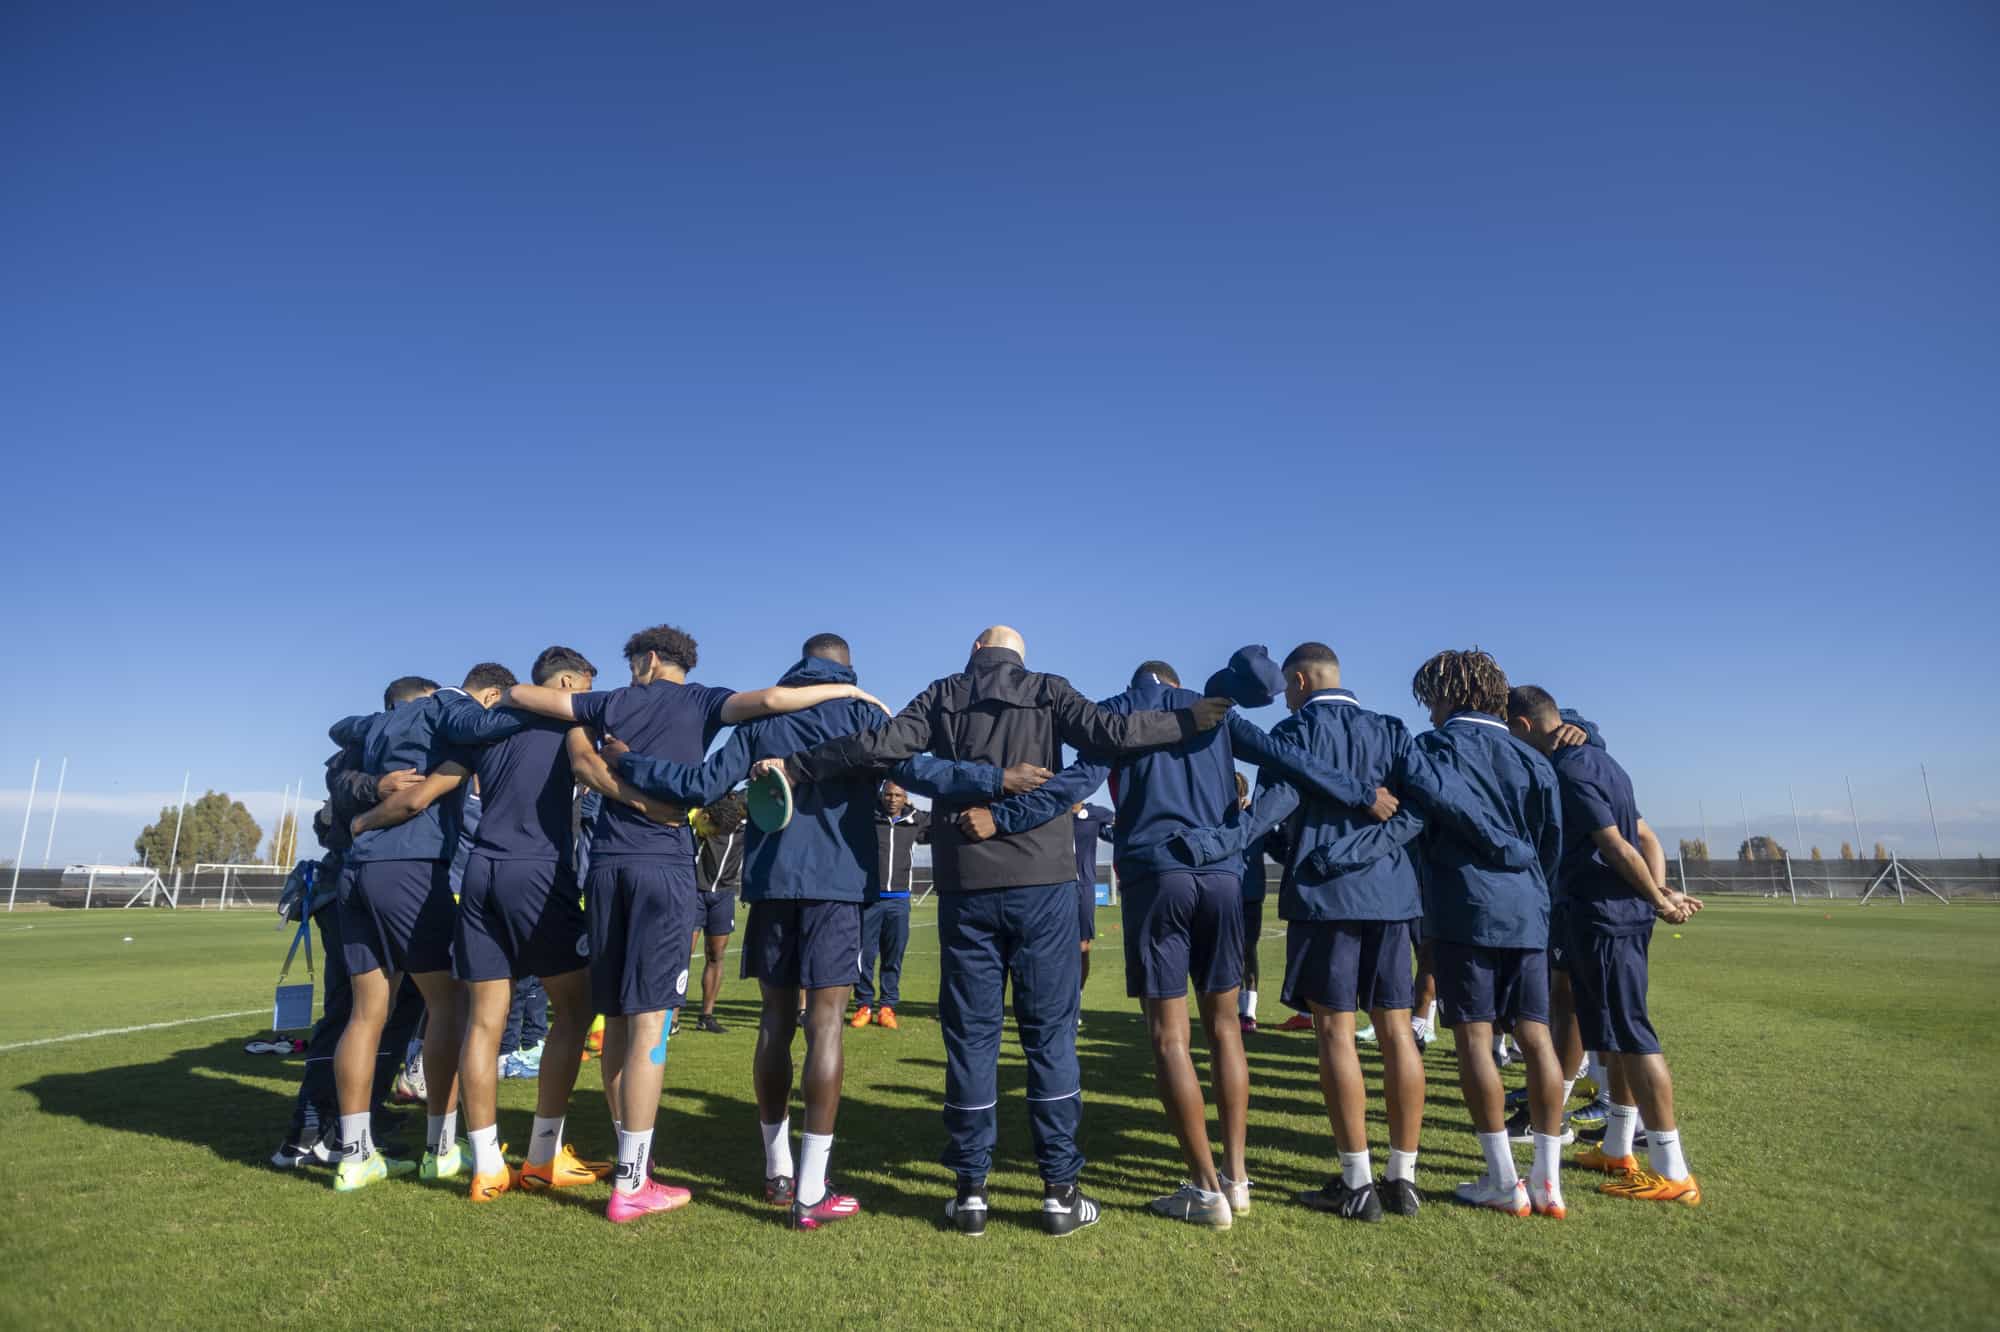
1488,864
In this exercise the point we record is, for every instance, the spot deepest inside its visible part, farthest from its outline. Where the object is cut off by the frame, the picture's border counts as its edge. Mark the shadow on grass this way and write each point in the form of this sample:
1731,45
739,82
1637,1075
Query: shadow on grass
891,1133
196,1096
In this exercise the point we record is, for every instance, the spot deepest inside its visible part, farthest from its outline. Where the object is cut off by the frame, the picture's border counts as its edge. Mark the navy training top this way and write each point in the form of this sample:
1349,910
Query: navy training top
525,790
671,721
1597,793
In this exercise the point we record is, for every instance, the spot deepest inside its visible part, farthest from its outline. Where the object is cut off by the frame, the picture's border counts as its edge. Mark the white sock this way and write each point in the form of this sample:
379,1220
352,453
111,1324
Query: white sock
486,1159
1250,1004
1431,1014
434,1138
1547,1168
356,1142
1619,1122
633,1149
1569,1086
1499,1048
814,1148
450,1126
1663,1153
1499,1159
1355,1169
777,1147
545,1141
1402,1165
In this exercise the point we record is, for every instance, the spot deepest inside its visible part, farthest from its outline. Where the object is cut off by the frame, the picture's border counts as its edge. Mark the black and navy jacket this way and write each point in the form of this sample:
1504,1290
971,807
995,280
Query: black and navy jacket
995,712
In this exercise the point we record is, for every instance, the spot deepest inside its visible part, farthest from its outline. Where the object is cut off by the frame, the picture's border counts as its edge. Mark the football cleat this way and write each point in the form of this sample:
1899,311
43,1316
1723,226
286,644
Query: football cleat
832,1207
648,1198
1296,1022
779,1191
967,1212
485,1188
1238,1193
1065,1210
442,1165
885,1016
358,1172
706,1022
1483,1192
862,1017
1520,1128
567,1171
1337,1198
1399,1196
1546,1198
1645,1186
1593,1158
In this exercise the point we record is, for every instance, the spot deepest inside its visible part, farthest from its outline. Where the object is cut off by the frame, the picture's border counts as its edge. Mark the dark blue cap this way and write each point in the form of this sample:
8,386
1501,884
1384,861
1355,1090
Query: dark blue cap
1250,680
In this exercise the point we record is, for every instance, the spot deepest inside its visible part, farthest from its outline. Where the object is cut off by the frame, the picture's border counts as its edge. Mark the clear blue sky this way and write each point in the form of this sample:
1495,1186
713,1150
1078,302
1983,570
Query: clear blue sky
1655,352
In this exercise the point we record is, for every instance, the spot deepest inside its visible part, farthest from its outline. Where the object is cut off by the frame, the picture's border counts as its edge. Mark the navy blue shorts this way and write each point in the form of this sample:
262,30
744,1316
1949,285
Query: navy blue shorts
1607,976
1348,965
715,913
1086,911
1253,922
397,916
1559,939
518,918
800,945
1504,986
640,910
1179,926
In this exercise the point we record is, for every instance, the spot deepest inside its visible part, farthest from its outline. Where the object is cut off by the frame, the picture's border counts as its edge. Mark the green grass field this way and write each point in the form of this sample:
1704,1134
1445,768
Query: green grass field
1838,1084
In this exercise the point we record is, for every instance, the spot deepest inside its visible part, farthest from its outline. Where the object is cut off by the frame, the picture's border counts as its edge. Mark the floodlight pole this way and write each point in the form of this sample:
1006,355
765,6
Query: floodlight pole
173,856
56,813
33,782
1853,816
1936,841
1790,882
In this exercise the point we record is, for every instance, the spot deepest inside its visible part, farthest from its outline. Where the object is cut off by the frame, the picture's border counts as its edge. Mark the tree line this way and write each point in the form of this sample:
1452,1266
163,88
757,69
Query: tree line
214,830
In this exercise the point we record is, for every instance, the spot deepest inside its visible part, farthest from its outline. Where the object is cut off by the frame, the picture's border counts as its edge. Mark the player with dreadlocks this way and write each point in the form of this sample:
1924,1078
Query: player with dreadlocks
1491,845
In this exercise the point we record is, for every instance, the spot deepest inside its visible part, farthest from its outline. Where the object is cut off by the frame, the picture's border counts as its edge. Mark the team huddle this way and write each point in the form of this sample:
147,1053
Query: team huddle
1500,856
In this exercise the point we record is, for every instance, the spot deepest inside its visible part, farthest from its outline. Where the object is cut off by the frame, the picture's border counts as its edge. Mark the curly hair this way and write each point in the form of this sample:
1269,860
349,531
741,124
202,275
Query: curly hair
1461,681
675,646
727,814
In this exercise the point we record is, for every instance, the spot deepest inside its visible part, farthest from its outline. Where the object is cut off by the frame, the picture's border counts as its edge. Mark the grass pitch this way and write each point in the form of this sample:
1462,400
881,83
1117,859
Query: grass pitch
1838,1086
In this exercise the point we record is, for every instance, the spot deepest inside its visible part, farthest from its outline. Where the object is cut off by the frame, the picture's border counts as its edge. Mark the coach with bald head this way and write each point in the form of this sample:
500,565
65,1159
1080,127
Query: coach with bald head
1005,905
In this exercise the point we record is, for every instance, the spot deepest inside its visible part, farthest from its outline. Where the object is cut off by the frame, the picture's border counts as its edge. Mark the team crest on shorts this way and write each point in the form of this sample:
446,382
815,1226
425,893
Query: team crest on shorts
583,945
681,985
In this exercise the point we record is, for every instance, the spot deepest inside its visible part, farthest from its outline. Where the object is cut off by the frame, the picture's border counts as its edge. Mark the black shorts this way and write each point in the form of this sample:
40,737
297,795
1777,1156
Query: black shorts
802,945
1607,977
1086,911
715,913
1253,922
398,916
1180,926
640,910
1348,965
1499,985
518,918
